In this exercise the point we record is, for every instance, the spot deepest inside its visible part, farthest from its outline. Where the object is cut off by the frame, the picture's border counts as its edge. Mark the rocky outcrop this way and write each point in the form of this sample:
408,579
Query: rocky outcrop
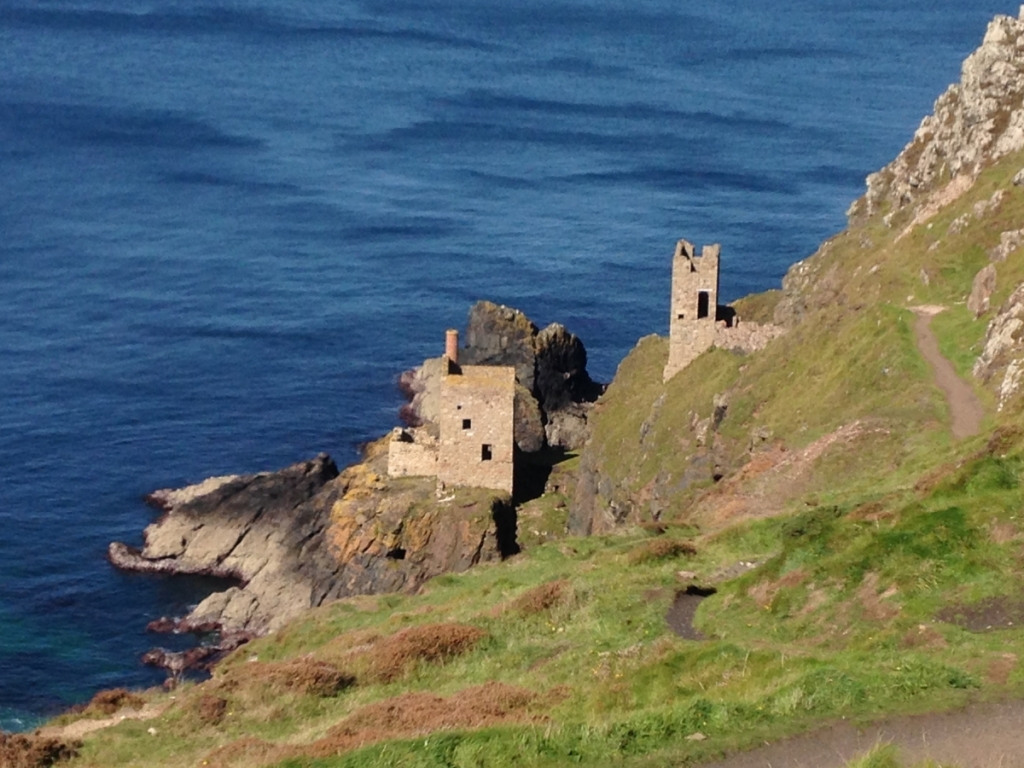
1002,357
305,535
561,370
975,122
554,388
1008,243
528,421
981,290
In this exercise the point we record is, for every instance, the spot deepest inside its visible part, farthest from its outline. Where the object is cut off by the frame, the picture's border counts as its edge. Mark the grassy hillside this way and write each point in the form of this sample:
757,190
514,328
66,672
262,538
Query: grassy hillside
782,539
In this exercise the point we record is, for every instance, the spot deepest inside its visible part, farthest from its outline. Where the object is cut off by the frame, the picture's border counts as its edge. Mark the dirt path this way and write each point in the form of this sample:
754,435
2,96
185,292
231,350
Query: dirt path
963,403
80,728
980,736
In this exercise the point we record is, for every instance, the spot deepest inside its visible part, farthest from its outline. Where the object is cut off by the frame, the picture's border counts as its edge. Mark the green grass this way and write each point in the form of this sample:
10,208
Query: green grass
628,691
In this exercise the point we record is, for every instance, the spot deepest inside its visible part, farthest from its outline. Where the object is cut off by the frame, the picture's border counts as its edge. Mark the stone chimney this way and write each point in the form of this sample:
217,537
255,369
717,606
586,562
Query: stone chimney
451,345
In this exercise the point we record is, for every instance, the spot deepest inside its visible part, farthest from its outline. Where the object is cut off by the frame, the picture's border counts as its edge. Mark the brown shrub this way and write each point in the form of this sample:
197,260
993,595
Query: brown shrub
303,676
210,709
542,598
999,669
408,715
109,702
924,636
660,549
246,752
413,714
26,751
393,656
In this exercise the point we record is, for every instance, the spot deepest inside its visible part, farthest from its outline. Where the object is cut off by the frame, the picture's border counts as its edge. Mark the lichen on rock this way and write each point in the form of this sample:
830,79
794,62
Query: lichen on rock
974,123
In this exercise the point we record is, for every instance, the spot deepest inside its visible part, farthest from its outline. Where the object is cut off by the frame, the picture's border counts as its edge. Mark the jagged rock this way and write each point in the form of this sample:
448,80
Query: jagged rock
567,429
296,538
528,421
259,529
985,207
500,335
422,386
1008,243
1019,178
975,122
551,370
1002,357
812,284
561,376
981,290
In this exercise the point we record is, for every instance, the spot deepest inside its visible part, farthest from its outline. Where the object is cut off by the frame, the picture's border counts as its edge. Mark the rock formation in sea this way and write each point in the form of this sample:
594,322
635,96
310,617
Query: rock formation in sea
296,538
307,534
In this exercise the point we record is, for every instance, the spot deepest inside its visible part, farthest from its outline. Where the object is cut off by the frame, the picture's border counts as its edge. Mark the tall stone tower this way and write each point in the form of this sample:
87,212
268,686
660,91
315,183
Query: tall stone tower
694,304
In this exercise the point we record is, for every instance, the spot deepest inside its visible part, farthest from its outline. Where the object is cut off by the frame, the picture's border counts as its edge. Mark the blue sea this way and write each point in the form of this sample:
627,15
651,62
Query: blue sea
225,227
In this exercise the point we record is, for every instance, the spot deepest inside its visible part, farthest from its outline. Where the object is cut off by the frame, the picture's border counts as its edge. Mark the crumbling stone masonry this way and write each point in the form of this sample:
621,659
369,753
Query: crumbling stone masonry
473,442
694,304
697,322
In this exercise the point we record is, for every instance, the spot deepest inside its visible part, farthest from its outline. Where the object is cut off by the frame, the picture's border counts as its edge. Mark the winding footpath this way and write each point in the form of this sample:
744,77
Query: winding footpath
981,736
964,405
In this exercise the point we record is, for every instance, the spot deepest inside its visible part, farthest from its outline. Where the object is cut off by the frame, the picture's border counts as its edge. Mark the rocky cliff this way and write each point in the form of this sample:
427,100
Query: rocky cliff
307,534
975,122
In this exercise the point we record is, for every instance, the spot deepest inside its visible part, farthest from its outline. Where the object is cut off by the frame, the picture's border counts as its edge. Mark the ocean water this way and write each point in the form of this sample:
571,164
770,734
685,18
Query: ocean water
226,226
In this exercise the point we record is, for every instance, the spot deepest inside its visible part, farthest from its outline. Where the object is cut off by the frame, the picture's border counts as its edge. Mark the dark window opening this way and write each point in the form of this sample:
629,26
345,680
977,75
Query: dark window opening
702,304
467,423
485,453
680,316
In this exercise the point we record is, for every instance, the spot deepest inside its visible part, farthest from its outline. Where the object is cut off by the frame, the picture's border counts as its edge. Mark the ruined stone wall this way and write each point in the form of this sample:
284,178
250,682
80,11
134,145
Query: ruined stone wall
476,422
745,337
412,453
694,304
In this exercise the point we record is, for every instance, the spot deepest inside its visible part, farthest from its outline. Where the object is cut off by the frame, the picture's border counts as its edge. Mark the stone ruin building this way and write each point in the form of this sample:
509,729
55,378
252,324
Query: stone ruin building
697,322
473,442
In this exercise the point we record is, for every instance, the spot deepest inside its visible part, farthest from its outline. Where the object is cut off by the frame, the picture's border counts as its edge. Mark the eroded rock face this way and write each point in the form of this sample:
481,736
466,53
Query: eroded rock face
975,122
561,377
302,536
553,385
500,335
981,290
1002,358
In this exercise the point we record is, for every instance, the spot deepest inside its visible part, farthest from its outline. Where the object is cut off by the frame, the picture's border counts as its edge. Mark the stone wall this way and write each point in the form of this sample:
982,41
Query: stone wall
694,304
476,423
745,337
412,453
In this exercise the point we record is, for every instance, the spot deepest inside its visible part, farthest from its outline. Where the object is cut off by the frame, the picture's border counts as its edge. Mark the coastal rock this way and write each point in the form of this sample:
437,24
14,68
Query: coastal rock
1002,357
974,123
260,530
422,386
305,535
561,373
500,335
981,290
528,423
567,428
810,285
551,374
